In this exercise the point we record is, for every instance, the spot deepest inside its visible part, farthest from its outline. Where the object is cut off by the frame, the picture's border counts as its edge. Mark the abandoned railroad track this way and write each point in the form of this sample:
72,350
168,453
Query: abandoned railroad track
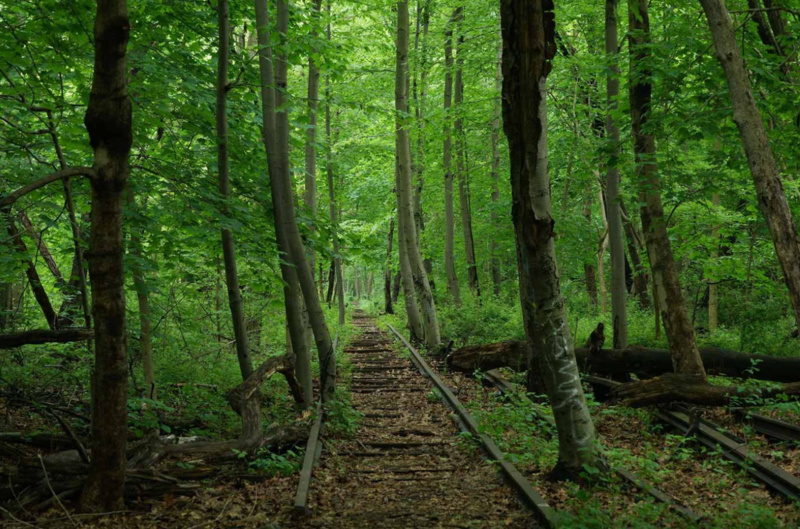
407,465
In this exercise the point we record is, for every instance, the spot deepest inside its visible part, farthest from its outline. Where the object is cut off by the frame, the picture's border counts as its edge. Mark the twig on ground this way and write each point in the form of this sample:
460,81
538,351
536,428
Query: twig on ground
49,486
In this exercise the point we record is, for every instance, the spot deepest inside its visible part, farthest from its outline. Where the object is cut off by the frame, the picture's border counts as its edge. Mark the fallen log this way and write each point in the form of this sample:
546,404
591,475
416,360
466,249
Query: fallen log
511,354
40,336
692,389
642,361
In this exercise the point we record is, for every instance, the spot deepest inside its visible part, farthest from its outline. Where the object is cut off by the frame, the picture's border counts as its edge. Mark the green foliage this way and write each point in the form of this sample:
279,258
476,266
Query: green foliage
271,464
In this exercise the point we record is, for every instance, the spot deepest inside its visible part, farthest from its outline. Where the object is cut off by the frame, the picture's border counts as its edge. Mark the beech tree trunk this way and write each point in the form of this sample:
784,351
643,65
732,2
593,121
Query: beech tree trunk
763,167
602,246
498,107
310,194
528,47
420,98
276,142
337,259
108,122
461,162
405,209
449,216
680,333
619,293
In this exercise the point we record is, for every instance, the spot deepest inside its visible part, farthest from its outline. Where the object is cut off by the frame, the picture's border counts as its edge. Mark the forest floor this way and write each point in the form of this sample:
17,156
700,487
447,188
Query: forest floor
718,490
403,463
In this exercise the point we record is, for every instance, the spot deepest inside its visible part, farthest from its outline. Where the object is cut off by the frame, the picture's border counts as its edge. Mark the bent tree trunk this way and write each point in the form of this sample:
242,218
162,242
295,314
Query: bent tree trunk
763,167
32,274
276,142
403,174
529,46
680,332
108,122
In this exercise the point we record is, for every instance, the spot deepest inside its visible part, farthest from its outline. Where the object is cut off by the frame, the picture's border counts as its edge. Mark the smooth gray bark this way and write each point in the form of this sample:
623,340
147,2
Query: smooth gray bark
619,292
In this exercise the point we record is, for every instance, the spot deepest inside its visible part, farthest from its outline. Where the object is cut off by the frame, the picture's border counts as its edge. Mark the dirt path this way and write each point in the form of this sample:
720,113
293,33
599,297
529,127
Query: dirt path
407,465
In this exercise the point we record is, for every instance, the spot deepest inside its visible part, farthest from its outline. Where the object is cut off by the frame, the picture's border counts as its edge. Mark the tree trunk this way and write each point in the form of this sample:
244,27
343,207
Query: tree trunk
331,283
32,274
420,98
680,332
108,122
249,428
18,339
763,168
405,209
77,284
694,389
529,46
76,234
396,286
449,216
713,303
496,278
641,361
337,260
588,269
387,280
276,142
310,194
461,162
44,251
641,282
619,294
5,304
143,298
602,245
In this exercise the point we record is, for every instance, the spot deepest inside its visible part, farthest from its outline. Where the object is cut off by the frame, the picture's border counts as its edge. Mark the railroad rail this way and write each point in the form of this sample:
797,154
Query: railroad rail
732,448
508,388
313,451
405,465
767,426
544,513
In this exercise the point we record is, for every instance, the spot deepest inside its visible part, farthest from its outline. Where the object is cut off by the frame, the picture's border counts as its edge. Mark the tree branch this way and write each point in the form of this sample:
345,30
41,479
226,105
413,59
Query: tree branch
60,175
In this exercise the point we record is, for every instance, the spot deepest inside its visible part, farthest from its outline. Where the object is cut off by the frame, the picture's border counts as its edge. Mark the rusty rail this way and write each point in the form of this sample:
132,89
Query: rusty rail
313,450
543,512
